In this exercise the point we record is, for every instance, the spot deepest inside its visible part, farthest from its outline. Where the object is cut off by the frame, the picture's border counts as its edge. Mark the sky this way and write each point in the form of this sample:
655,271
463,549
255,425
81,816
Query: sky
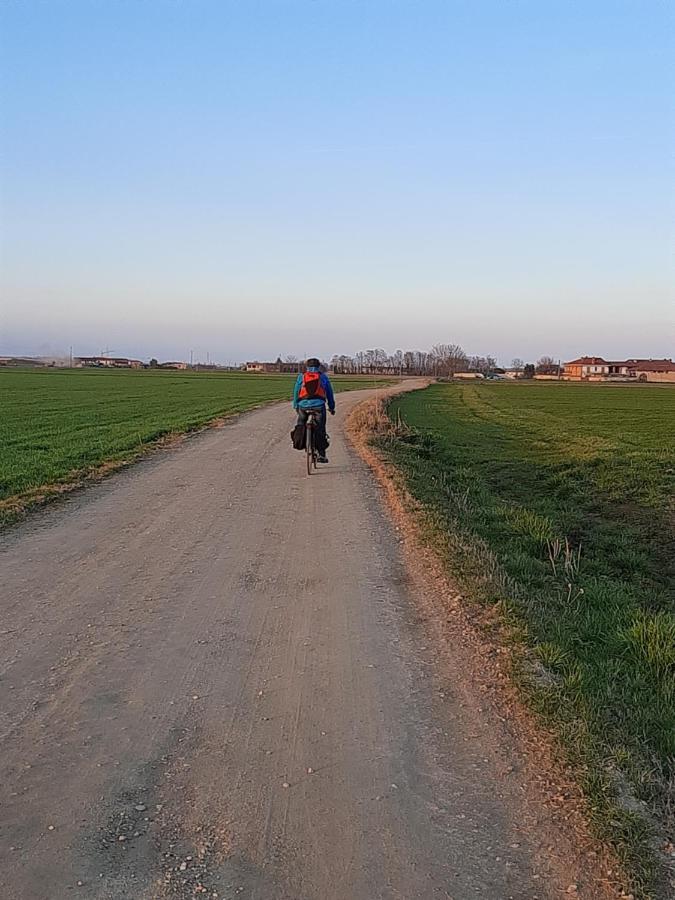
249,178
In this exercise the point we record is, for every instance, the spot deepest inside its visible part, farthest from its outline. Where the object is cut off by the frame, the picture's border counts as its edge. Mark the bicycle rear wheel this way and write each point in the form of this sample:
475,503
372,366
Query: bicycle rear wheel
309,447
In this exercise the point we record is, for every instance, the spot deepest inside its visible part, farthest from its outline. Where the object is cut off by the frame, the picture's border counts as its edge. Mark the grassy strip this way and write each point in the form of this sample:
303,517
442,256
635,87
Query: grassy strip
551,505
60,427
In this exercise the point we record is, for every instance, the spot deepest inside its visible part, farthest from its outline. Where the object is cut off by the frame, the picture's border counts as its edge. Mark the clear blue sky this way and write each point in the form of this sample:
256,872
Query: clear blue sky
250,177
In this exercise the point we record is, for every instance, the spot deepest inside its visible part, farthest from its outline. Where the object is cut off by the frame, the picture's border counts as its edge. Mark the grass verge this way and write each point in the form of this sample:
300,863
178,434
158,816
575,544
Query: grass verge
552,509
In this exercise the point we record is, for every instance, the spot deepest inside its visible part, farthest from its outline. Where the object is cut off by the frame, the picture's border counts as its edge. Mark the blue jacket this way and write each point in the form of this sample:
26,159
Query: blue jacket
316,401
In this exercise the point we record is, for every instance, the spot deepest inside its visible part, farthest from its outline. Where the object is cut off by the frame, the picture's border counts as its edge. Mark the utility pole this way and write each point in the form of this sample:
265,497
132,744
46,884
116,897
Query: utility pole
191,352
71,356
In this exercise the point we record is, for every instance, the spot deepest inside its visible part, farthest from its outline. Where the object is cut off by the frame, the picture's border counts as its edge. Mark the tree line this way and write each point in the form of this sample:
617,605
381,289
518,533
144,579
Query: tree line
441,361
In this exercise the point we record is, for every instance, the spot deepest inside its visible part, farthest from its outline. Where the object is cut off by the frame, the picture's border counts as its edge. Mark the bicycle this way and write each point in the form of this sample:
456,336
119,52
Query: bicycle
310,446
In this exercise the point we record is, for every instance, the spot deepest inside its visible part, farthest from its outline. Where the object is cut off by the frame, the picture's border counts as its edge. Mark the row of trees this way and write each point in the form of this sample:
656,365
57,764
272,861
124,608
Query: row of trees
443,360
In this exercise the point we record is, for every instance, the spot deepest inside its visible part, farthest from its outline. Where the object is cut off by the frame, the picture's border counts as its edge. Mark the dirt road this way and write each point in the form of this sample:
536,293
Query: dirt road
215,682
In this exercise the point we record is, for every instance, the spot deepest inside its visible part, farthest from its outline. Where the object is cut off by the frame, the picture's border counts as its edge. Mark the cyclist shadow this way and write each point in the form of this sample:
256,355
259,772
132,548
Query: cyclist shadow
330,469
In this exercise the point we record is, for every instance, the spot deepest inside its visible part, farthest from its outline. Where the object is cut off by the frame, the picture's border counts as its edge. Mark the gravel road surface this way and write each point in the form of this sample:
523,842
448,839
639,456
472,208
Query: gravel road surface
215,681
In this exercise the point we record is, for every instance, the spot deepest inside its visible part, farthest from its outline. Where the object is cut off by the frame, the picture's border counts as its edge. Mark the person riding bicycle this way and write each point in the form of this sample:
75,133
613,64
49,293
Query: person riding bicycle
313,391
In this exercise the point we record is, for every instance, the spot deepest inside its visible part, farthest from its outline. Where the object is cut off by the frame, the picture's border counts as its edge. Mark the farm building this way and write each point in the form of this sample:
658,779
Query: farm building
595,368
108,362
652,369
290,368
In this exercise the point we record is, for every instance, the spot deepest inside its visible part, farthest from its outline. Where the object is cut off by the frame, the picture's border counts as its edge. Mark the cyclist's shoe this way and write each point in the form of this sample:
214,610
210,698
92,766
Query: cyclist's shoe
322,459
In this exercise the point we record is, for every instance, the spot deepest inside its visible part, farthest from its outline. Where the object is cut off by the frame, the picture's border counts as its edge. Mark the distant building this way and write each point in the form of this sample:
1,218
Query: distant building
21,361
289,368
652,369
173,365
595,368
108,362
585,367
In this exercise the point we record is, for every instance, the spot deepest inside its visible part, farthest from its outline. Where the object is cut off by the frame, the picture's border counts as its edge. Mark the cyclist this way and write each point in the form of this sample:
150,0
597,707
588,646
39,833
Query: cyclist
313,390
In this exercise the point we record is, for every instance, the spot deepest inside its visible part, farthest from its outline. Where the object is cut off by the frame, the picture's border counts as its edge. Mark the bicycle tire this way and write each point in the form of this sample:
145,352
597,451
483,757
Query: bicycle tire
309,447
315,455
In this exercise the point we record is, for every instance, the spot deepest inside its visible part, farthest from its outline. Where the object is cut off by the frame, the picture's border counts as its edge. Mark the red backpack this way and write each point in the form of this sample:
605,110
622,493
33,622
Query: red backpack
312,388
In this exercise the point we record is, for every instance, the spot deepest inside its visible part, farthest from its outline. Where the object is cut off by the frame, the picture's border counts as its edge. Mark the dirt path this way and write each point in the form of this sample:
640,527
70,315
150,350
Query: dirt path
214,681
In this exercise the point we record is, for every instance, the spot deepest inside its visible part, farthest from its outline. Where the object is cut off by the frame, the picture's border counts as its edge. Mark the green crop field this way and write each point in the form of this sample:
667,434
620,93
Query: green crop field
556,503
57,423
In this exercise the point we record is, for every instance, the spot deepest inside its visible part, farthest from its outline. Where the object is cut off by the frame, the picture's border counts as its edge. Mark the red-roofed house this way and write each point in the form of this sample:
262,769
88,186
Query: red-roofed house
585,367
595,368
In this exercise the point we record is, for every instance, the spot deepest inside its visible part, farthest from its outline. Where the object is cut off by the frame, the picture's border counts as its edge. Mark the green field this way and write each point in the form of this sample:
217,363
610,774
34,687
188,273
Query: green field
56,424
556,503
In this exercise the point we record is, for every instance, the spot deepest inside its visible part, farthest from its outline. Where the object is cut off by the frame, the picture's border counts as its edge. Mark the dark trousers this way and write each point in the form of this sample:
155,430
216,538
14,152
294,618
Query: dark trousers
320,439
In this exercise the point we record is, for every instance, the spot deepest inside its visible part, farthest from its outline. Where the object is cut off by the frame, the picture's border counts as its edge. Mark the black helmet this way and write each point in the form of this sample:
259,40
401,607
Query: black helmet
313,363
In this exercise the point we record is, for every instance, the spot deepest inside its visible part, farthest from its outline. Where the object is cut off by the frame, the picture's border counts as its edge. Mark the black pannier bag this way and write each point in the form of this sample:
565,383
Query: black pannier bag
298,436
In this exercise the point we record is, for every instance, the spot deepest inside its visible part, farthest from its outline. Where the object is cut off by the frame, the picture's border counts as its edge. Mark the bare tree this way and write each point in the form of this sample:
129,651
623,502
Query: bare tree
449,358
546,365
517,364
